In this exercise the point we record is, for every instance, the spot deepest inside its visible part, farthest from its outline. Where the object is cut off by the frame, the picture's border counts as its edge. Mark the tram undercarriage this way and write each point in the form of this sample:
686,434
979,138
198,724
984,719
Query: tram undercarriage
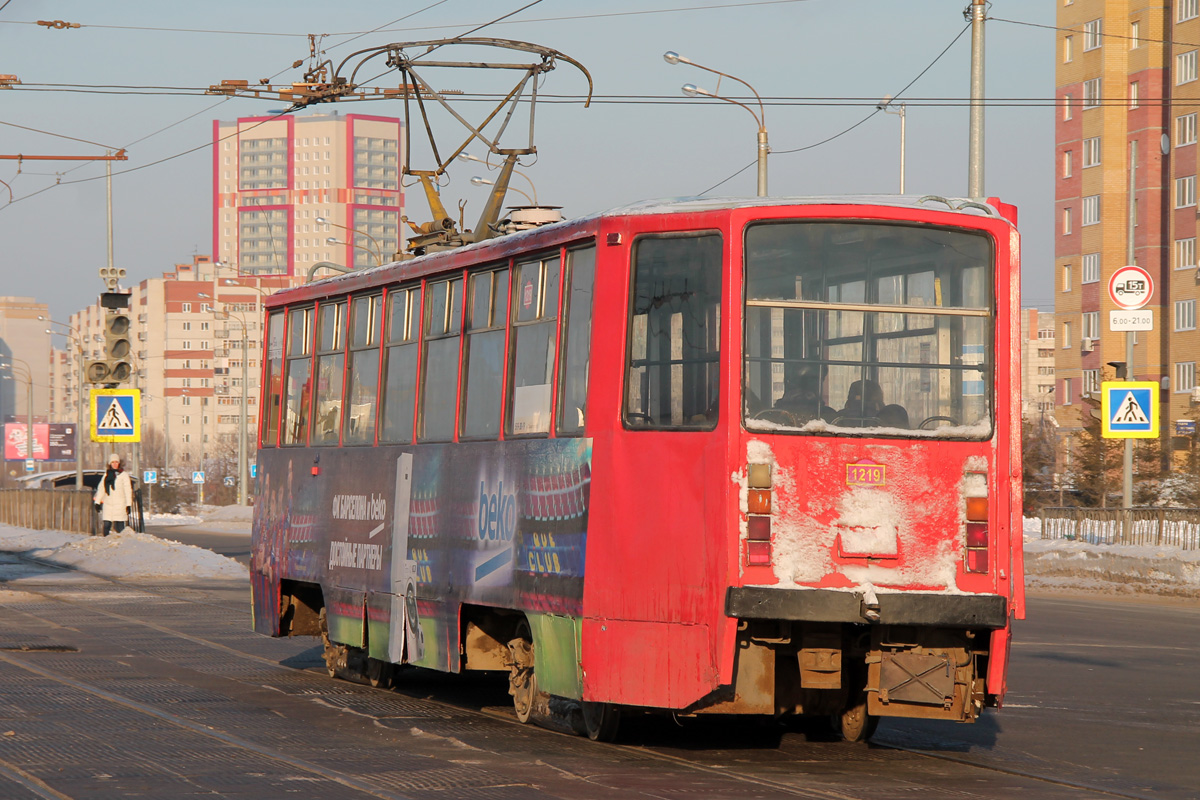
854,673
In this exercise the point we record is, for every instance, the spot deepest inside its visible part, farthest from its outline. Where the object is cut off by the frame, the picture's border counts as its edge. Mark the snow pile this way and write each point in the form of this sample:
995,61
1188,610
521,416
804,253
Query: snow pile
121,555
171,519
1057,564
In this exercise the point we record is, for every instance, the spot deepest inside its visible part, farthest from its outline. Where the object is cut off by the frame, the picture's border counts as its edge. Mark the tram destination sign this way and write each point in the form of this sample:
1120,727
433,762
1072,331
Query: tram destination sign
1122,320
1130,288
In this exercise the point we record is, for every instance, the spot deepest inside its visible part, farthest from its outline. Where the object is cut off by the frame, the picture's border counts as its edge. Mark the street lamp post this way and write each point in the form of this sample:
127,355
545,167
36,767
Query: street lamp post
671,57
482,182
477,181
333,240
377,252
885,106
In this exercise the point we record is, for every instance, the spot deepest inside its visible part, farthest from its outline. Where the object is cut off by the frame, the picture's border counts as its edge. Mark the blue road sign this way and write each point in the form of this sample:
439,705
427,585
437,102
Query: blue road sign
1129,409
116,415
198,476
254,470
150,476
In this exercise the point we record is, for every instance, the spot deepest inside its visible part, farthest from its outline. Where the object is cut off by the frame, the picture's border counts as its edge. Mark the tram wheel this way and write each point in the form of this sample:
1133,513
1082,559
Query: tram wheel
522,682
601,721
380,674
854,723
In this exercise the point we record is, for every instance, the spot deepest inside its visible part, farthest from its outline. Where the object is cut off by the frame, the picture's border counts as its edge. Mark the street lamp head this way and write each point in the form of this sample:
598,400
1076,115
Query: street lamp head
322,220
671,57
691,90
884,103
478,181
469,157
331,240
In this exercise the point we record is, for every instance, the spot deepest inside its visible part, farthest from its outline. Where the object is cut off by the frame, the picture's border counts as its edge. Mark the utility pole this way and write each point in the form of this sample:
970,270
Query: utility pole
975,136
1130,256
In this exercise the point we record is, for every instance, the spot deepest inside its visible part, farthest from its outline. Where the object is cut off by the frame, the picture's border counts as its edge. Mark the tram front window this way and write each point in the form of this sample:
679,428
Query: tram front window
863,325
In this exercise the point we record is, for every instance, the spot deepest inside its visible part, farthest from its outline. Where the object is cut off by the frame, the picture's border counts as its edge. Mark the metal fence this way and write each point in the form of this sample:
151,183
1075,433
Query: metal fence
1172,527
49,509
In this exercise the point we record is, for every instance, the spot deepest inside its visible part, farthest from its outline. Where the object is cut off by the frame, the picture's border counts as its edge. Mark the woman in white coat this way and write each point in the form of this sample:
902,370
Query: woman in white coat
114,496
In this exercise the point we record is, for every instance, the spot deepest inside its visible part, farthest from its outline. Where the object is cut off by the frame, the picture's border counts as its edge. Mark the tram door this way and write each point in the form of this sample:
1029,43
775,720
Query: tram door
669,479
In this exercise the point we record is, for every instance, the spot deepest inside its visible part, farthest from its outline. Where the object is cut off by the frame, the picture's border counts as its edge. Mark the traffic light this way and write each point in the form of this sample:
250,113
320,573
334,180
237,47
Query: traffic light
115,367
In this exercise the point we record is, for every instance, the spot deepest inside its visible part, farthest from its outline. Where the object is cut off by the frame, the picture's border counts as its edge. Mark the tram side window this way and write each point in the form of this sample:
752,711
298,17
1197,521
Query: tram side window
274,380
675,333
577,341
439,383
535,312
400,365
363,376
299,370
483,356
331,365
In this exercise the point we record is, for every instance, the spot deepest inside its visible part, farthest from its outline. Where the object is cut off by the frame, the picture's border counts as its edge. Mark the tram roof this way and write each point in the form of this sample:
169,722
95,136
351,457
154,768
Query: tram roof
503,245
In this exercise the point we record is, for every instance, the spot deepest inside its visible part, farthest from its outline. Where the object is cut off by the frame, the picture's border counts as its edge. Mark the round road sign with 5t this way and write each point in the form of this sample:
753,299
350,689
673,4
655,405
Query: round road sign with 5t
1130,288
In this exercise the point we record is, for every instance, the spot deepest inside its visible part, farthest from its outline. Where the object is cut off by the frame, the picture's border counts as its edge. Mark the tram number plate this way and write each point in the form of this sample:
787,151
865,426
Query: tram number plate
866,473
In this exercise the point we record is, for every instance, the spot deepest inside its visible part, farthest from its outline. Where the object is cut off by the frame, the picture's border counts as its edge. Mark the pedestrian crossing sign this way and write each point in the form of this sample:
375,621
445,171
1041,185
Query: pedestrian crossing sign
116,415
1129,409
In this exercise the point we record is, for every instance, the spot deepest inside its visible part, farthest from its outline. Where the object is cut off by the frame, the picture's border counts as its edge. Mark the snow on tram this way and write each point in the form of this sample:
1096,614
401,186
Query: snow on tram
700,456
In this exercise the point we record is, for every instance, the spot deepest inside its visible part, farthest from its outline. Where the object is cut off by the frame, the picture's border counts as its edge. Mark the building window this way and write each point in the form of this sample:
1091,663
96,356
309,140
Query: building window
1185,376
1067,102
1066,221
187,307
1091,89
1091,207
1187,9
1185,191
1066,278
1185,253
1091,35
1134,94
1066,394
1046,333
1185,315
1066,336
1066,164
1068,49
1091,152
1185,67
1091,268
1135,30
1091,382
187,326
1090,329
1185,129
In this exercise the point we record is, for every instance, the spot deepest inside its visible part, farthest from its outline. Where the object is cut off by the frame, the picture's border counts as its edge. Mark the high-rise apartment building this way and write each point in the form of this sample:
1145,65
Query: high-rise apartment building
275,177
1128,89
1037,364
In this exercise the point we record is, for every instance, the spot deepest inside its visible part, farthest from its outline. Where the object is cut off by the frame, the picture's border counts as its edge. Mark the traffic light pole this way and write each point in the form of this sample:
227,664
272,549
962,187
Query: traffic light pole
1131,255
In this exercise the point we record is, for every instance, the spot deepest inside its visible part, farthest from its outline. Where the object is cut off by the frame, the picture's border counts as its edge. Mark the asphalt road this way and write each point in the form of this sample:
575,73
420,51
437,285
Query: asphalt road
1103,701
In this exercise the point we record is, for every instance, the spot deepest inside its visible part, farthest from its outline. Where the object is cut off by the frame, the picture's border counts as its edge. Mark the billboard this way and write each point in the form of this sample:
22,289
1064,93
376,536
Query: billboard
51,442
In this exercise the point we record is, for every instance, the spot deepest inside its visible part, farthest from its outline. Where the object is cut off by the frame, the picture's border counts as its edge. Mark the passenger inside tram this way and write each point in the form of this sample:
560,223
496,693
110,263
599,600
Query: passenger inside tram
865,408
802,396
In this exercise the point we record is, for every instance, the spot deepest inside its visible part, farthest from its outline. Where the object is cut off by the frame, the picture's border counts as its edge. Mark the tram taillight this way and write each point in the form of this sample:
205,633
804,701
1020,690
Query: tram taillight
758,518
977,529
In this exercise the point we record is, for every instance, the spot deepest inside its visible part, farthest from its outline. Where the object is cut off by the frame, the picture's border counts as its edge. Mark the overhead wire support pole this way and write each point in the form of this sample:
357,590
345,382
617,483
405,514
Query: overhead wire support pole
975,135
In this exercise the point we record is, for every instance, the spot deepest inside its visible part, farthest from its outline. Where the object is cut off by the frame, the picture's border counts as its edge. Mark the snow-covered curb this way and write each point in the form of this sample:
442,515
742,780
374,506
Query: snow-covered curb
122,555
1117,569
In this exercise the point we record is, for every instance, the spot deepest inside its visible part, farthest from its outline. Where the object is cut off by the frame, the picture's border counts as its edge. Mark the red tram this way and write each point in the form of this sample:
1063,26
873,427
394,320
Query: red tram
705,456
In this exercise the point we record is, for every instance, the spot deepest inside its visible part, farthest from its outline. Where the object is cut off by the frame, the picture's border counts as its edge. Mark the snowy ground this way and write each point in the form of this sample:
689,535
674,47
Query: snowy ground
1050,566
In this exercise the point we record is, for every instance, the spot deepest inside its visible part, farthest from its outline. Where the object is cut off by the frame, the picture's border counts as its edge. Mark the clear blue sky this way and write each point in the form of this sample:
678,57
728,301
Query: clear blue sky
589,159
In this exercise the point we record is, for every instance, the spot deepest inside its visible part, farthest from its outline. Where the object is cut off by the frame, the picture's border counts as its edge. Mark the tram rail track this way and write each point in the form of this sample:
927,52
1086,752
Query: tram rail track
365,785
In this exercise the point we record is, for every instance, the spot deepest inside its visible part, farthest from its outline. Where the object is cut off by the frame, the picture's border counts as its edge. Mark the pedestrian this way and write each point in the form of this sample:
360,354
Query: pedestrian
114,496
